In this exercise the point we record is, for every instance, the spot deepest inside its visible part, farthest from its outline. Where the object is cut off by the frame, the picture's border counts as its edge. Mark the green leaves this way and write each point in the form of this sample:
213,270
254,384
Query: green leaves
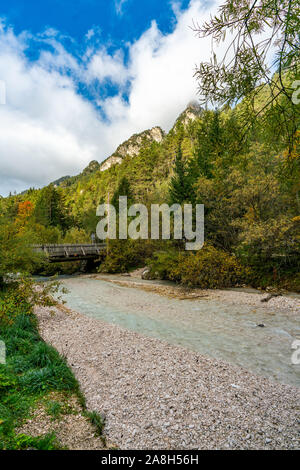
208,268
257,28
180,185
50,208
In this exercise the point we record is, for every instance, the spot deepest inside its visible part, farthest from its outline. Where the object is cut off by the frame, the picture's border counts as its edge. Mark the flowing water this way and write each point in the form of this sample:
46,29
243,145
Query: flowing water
210,327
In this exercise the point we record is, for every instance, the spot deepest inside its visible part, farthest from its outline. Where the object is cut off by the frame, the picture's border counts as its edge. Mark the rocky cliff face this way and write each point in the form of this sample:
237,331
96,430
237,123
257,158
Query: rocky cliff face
192,112
132,146
110,161
92,167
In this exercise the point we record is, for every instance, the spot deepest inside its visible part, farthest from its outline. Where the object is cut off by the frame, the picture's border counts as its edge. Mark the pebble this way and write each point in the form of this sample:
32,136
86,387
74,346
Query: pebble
224,416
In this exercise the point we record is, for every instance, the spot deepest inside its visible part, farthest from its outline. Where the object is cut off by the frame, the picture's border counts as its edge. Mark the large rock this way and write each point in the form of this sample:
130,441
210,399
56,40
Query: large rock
146,274
132,146
193,111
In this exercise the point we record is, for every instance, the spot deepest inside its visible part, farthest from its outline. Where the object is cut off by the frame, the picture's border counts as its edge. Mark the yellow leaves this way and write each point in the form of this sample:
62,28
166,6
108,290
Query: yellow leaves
25,210
250,215
293,154
208,268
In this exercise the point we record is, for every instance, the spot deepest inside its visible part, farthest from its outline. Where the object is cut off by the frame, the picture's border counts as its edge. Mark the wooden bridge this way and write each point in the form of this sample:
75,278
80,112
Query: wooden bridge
71,252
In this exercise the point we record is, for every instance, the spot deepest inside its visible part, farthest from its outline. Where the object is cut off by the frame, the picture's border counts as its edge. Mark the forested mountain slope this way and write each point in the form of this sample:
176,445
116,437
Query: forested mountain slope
248,182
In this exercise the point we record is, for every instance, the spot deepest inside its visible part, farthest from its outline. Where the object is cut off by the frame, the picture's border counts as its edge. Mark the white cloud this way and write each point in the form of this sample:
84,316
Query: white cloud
119,6
48,129
104,66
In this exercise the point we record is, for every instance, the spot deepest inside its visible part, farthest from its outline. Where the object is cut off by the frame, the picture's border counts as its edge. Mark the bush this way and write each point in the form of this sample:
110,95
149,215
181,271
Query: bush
207,268
162,264
19,297
76,235
125,255
12,304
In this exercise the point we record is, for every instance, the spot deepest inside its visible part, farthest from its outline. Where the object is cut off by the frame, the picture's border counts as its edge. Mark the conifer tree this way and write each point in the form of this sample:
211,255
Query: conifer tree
208,145
50,208
123,189
180,188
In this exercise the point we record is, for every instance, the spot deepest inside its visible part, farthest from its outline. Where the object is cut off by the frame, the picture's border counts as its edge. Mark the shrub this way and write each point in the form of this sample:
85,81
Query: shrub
125,255
162,264
12,304
16,254
207,268
19,297
76,235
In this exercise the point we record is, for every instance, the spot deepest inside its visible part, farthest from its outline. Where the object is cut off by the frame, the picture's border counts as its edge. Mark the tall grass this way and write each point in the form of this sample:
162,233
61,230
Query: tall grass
32,369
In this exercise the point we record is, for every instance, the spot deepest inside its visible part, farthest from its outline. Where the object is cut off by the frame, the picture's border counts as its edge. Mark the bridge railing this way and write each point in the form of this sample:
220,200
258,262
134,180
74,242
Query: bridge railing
79,250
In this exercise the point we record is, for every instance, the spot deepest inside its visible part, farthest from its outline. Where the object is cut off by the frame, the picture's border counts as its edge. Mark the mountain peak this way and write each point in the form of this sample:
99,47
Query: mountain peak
133,145
191,112
92,167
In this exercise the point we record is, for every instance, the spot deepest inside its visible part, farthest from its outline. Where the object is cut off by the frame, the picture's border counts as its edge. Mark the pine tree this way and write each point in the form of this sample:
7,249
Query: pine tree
208,145
123,189
50,208
180,188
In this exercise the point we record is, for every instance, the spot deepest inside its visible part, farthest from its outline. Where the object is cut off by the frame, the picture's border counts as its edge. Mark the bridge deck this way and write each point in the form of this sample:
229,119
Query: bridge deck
70,252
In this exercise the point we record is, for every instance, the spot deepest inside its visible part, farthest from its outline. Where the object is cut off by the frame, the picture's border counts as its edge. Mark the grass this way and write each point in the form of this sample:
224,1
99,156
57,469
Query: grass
97,420
33,369
59,406
46,442
55,409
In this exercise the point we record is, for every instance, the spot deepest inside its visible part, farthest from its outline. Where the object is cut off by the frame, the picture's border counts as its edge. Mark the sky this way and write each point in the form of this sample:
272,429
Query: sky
79,77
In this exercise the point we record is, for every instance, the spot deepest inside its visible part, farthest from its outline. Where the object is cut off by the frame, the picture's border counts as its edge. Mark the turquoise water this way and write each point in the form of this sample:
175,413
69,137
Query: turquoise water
222,331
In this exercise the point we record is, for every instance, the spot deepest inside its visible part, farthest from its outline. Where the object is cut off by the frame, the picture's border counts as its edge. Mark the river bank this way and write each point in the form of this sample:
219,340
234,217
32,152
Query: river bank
228,325
40,399
288,302
157,395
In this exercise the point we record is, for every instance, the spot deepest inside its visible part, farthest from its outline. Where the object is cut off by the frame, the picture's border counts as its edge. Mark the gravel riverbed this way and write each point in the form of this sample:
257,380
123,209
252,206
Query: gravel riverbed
282,303
159,396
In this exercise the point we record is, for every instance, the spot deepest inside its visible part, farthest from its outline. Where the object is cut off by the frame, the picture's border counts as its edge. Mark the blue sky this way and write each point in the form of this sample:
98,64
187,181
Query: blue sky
119,21
112,23
82,76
